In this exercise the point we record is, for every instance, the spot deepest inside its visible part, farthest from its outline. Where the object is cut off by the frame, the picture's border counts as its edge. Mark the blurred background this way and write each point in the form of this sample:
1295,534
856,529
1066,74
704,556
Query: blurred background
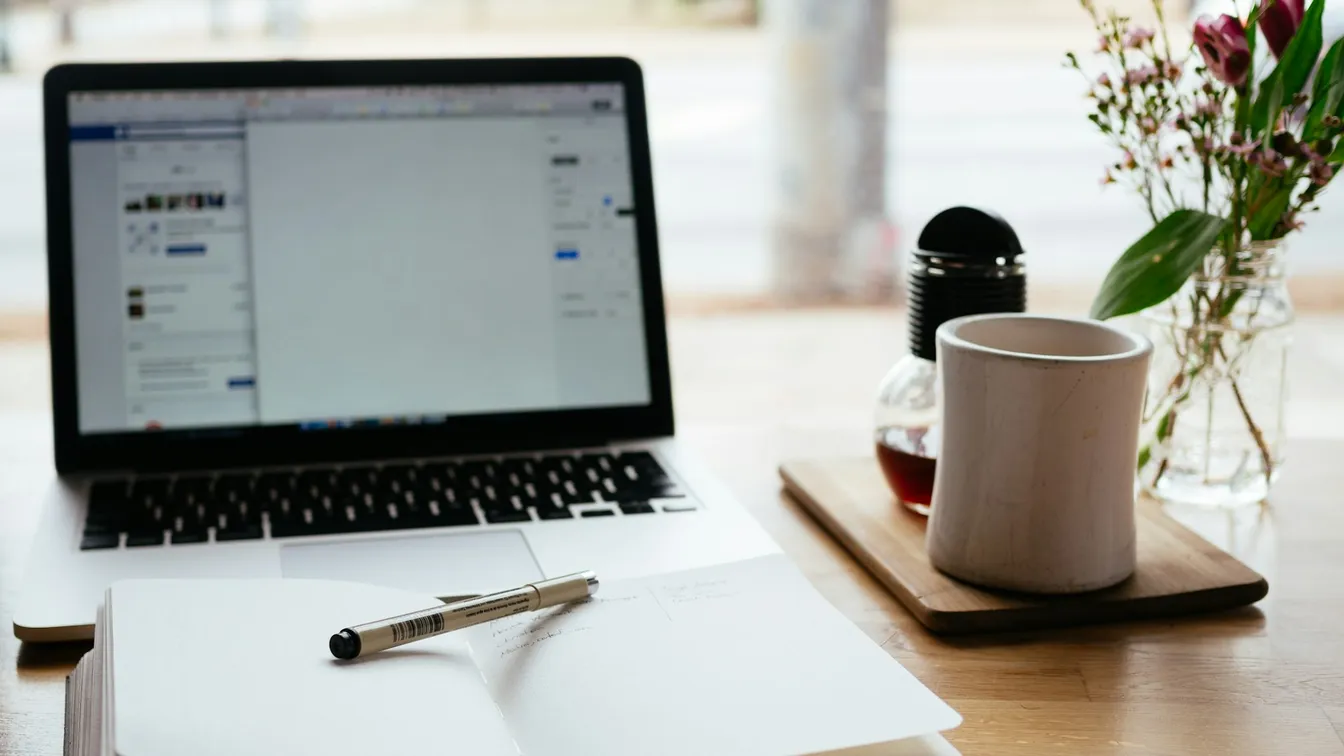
798,145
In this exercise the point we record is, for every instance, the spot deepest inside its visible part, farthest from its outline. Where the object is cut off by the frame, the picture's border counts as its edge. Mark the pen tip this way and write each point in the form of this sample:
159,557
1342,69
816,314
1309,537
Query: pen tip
344,645
593,582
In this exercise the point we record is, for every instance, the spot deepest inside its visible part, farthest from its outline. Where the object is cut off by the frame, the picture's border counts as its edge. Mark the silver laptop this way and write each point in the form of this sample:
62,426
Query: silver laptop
396,322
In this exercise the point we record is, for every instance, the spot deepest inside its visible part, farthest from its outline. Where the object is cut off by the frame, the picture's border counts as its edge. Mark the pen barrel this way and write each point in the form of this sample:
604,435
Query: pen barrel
372,637
563,590
426,623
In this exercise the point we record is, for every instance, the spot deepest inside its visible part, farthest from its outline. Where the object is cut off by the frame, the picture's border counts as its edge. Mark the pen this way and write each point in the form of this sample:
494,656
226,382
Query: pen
372,637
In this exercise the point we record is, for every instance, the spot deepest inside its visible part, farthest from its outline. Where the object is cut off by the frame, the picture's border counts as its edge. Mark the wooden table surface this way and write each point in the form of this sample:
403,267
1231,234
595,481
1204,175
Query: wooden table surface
756,389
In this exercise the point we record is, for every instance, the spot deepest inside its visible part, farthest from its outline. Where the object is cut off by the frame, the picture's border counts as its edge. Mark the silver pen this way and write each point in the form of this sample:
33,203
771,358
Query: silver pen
372,637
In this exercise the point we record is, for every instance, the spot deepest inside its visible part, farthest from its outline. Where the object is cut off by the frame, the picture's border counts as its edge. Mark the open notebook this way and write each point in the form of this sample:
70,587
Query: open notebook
744,658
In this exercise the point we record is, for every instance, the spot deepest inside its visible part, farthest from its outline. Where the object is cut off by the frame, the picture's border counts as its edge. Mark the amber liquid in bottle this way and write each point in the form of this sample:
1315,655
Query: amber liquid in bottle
908,458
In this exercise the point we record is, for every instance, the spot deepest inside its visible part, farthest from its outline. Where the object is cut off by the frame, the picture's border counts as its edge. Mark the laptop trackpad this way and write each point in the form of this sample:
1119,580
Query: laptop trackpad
440,565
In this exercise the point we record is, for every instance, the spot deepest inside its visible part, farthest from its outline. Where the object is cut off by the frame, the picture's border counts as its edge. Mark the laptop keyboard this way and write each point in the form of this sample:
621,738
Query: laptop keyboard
186,509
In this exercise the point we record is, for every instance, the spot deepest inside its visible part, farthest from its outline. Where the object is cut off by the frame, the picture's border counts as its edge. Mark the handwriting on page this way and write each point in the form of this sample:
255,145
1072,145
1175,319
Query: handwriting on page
701,590
514,634
631,612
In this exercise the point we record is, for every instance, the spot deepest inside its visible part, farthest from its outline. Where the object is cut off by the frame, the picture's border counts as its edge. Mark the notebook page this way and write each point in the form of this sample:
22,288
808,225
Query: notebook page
242,667
745,658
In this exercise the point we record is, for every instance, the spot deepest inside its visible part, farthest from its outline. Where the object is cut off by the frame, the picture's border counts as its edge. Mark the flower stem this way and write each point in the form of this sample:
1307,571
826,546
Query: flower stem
1266,457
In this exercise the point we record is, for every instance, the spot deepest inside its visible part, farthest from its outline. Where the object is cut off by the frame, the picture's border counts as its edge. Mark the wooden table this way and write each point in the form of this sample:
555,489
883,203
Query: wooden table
755,389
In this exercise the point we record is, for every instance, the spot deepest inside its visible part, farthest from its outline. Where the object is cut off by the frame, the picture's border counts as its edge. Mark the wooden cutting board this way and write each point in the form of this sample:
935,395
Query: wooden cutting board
1178,572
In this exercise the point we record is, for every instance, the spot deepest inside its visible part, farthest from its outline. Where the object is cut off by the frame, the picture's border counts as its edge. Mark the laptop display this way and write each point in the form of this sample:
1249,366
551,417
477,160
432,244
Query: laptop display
328,257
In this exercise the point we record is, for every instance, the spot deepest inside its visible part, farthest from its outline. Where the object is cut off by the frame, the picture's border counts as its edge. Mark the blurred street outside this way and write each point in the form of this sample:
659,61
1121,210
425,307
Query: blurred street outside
981,113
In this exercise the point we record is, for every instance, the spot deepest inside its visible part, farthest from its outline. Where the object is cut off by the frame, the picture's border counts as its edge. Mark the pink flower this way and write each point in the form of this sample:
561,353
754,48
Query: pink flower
1148,125
1143,75
1104,81
1244,149
1211,108
1268,161
1108,178
1103,44
1279,20
1136,38
1321,173
1222,42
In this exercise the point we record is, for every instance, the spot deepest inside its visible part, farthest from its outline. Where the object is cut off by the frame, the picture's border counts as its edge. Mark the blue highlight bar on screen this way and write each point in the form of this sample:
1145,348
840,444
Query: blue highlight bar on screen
243,382
169,131
185,249
566,254
93,133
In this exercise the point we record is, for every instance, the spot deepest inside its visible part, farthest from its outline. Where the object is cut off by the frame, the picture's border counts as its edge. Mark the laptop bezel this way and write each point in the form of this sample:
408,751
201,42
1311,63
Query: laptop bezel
280,446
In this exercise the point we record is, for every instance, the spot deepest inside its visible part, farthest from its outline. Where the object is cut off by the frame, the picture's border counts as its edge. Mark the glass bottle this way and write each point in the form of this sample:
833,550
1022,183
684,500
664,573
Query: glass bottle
968,263
907,430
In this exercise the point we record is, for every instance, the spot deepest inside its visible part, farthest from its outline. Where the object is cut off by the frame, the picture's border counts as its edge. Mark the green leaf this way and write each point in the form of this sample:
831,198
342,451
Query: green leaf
1338,155
1164,426
1157,265
1327,93
1145,454
1290,75
1264,220
1265,129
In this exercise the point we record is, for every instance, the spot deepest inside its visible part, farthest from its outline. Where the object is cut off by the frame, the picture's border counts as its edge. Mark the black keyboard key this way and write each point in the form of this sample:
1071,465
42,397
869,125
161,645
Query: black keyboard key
311,519
625,494
598,513
92,541
273,486
442,515
640,460
573,492
602,462
237,482
194,488
193,536
286,526
399,477
554,513
194,517
108,510
371,512
239,533
324,479
496,516
144,538
109,492
636,507
156,488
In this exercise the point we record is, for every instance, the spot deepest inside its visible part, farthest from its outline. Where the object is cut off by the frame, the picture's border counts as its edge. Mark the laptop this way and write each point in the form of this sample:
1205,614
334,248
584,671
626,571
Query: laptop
395,322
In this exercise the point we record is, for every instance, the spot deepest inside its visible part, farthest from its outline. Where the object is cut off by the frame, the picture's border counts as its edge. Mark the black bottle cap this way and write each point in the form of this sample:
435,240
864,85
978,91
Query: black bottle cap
968,232
968,263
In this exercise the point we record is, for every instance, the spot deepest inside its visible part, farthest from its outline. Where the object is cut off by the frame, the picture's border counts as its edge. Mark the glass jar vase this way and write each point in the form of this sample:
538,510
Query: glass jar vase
1213,428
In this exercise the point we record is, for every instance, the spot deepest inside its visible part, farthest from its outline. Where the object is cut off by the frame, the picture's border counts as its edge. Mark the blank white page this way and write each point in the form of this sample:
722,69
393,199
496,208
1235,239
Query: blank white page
228,667
401,267
741,659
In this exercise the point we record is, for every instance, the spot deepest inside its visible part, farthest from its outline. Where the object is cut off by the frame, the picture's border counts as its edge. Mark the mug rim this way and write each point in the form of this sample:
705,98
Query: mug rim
1140,346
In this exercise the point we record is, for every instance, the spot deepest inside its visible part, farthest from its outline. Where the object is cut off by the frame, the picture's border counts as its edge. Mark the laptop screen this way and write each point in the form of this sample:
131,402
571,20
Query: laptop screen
336,257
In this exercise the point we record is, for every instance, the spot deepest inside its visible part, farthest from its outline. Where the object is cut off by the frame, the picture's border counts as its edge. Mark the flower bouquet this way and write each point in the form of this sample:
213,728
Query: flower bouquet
1227,161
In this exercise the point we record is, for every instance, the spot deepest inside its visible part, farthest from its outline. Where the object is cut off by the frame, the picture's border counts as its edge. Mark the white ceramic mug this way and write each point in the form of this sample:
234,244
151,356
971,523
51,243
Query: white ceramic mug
1034,488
